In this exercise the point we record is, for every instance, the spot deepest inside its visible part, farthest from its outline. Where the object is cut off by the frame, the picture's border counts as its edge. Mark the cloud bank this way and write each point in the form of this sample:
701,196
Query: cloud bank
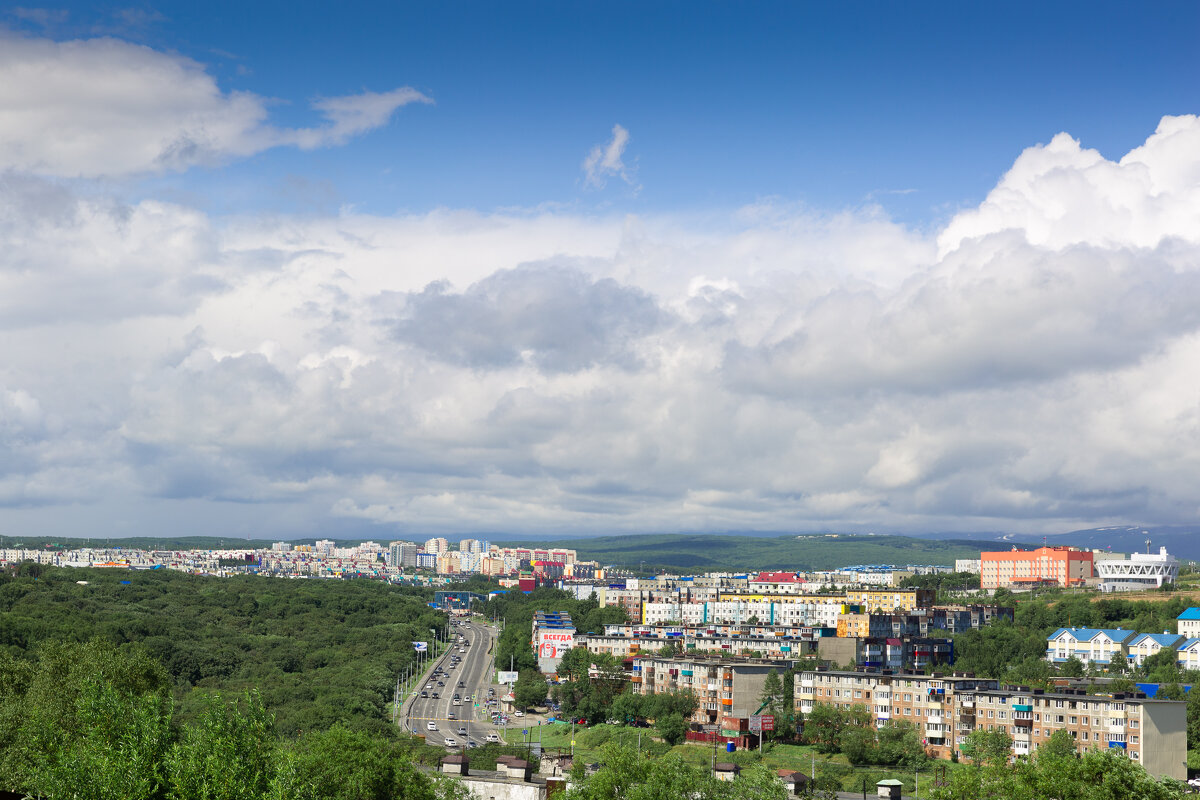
1030,366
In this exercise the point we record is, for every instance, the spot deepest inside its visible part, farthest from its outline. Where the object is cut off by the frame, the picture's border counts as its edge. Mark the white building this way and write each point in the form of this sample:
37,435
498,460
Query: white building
1139,571
972,565
437,545
1188,623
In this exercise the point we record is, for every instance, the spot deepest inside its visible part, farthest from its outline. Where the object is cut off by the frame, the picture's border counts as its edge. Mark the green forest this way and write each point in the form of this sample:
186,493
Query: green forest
319,652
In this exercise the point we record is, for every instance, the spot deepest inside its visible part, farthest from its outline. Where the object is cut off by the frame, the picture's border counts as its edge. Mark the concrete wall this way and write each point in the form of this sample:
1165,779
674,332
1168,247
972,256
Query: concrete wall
837,651
504,790
1163,744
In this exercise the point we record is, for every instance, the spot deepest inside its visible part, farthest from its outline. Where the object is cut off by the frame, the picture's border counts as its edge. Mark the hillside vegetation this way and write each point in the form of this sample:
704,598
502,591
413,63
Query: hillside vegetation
702,552
319,651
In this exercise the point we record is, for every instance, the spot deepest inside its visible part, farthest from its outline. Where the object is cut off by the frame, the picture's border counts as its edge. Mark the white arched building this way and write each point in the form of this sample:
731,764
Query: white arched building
1139,571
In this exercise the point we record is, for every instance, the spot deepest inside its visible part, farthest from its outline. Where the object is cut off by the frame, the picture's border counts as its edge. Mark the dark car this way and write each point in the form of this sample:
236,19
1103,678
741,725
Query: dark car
435,696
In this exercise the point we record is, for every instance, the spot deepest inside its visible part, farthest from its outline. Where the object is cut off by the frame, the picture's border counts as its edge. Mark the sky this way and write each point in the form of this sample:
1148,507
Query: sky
386,270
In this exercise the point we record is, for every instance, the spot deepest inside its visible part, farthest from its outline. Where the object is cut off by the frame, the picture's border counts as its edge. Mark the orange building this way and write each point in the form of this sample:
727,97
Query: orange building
1063,566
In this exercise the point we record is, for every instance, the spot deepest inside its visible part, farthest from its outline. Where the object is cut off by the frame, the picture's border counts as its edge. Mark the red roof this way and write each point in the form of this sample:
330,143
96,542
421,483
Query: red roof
777,577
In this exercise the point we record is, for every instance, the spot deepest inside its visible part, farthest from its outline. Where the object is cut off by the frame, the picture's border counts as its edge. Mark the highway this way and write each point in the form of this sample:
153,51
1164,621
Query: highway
474,673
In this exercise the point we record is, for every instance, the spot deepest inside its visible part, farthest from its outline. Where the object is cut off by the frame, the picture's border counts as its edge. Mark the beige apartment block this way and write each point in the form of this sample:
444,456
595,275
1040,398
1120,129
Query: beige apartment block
947,707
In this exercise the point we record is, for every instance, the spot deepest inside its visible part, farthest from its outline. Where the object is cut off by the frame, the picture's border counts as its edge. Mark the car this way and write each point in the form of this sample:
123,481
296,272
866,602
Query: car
461,684
451,742
441,683
450,715
492,737
424,694
518,713
432,726
462,730
472,743
435,696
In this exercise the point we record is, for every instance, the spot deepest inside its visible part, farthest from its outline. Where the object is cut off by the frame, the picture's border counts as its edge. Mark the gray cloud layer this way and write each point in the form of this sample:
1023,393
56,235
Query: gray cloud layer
1030,366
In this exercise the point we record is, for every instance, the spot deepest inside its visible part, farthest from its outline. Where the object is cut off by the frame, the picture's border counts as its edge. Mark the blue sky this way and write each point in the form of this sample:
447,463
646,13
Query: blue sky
917,107
283,270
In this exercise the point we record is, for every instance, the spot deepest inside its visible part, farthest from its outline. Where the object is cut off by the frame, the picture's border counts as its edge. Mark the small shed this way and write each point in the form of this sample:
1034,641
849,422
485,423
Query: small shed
725,770
796,783
889,788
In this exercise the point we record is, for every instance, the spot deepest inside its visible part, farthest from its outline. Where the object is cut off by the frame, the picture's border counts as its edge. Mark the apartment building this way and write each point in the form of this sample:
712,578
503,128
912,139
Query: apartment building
724,687
1188,623
778,648
1059,566
922,621
886,652
1144,645
1101,646
947,707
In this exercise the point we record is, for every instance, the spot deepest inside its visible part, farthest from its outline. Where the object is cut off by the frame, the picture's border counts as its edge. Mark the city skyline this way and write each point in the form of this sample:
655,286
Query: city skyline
402,271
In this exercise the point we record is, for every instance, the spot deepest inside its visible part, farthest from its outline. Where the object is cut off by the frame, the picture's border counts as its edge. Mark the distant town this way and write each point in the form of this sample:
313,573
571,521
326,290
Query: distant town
860,637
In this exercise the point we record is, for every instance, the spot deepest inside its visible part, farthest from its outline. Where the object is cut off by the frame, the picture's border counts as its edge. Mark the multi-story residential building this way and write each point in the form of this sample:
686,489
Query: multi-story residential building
552,636
1188,623
967,565
1101,646
947,708
436,545
724,687
1059,566
890,652
1188,653
1144,645
750,642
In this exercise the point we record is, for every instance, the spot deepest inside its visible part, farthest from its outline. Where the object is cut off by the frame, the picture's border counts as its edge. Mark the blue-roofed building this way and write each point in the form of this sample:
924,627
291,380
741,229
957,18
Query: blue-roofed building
1189,653
1145,645
1187,624
1100,646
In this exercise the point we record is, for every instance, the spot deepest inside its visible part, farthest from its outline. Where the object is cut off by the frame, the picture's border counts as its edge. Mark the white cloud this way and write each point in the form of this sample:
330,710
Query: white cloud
606,160
463,371
105,107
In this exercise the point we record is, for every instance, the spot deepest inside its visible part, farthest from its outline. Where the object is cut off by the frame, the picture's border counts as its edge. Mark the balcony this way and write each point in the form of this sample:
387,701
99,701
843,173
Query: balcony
807,683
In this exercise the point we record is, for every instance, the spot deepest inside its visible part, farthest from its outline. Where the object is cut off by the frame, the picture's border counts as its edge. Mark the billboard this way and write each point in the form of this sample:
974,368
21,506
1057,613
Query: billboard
555,643
506,677
421,647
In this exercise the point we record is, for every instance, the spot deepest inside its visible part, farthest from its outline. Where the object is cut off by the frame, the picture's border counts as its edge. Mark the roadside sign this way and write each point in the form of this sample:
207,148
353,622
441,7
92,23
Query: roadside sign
768,722
506,677
756,723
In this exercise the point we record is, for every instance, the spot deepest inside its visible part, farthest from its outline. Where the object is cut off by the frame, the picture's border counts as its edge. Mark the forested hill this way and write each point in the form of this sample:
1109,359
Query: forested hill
320,651
701,552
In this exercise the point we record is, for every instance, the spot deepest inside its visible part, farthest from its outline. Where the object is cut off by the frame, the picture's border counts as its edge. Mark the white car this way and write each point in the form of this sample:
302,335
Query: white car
431,726
491,737
451,742
518,713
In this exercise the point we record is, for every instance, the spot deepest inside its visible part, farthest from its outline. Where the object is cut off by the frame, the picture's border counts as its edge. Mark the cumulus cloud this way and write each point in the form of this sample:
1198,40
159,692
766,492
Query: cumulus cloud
104,107
556,319
1029,367
605,161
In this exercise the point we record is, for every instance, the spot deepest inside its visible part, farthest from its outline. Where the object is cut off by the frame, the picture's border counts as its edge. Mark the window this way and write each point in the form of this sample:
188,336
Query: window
1074,720
1133,723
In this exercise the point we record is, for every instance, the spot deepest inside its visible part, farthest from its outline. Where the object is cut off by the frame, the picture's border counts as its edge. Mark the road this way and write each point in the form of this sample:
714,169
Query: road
474,672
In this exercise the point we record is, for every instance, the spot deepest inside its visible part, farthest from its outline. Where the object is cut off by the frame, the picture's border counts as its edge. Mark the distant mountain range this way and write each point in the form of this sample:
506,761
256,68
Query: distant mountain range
1181,541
